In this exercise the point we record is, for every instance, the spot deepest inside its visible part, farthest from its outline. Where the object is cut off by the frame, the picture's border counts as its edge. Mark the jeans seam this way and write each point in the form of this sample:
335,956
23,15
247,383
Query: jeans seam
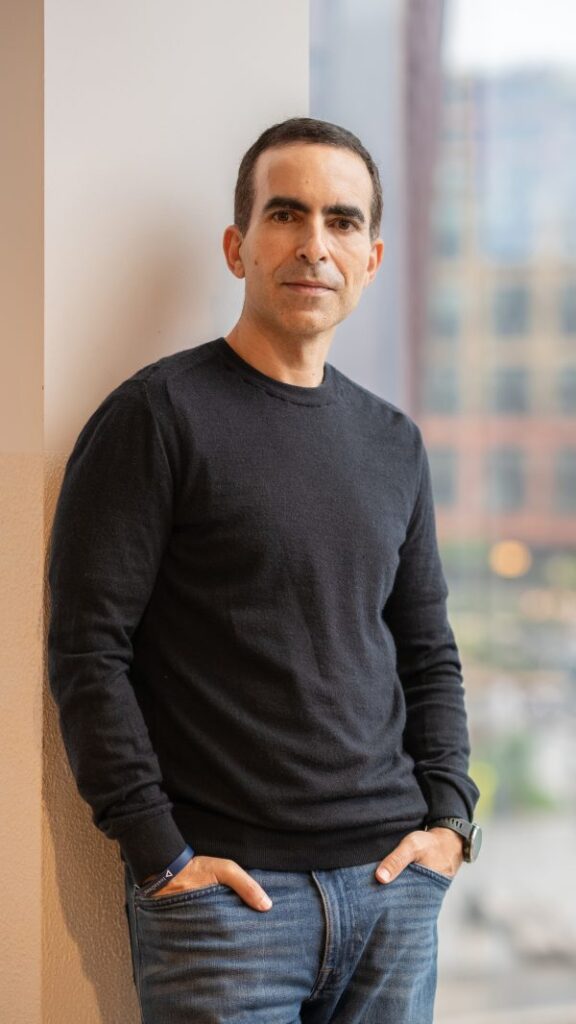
138,964
323,971
350,894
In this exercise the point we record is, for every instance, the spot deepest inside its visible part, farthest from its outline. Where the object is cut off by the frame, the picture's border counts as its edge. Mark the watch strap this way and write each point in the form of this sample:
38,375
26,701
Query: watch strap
460,825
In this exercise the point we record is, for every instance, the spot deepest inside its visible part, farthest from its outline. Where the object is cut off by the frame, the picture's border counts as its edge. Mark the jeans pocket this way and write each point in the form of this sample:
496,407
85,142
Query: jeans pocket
171,898
437,876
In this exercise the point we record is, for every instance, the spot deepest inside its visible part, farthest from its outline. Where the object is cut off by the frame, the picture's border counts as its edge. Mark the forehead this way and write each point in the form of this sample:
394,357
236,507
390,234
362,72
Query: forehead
317,174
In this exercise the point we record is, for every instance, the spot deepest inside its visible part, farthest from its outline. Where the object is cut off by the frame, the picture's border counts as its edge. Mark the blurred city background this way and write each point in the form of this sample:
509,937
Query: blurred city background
470,111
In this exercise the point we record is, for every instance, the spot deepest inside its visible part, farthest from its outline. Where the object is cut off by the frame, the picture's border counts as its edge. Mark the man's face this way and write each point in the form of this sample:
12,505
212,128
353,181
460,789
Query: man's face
306,256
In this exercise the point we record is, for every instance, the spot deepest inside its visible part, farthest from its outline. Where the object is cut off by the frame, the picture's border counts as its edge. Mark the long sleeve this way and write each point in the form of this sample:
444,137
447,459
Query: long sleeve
112,523
428,665
240,568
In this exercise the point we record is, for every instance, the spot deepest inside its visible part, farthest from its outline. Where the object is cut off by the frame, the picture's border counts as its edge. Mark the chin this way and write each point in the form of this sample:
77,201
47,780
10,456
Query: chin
309,325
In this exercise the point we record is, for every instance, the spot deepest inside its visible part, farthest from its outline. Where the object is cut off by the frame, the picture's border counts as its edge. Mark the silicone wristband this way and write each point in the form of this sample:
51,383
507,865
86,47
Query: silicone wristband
162,879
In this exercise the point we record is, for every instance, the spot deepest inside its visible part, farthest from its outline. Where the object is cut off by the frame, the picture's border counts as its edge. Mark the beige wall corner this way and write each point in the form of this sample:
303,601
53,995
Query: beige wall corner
21,517
21,243
21,530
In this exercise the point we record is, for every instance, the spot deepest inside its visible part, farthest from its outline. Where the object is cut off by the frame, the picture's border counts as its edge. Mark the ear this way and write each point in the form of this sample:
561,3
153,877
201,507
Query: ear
374,260
231,244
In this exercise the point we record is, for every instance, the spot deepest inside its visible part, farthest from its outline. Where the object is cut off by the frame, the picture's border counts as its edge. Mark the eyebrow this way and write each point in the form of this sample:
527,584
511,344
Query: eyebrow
337,209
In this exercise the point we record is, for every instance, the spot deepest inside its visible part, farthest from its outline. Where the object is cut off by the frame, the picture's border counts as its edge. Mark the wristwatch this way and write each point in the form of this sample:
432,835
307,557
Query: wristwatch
471,834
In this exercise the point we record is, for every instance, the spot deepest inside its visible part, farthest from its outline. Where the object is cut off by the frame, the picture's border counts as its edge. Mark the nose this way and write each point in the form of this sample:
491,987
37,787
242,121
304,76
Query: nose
312,245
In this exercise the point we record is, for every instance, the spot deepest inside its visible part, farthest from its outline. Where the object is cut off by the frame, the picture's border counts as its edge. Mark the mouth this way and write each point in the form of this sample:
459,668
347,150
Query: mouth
308,287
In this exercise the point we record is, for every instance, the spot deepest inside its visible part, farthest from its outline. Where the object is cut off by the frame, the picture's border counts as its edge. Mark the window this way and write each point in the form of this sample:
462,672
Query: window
565,497
452,175
509,390
447,230
445,313
443,468
566,389
510,310
568,309
480,230
505,479
441,389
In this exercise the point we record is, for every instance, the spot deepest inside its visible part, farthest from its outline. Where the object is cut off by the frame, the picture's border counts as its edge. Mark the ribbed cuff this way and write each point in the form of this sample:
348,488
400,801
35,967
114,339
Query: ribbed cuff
442,806
445,801
150,845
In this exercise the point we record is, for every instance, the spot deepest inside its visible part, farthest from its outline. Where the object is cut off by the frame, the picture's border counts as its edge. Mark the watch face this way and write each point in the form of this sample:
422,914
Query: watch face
475,841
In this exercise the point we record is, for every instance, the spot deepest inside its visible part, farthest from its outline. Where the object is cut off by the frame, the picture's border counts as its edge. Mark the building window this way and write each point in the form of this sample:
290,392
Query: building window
452,176
505,479
443,469
445,313
568,309
441,389
511,311
509,390
565,499
566,389
447,229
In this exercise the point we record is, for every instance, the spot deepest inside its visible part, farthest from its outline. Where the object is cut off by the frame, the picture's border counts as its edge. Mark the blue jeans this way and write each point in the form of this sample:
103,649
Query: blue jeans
337,946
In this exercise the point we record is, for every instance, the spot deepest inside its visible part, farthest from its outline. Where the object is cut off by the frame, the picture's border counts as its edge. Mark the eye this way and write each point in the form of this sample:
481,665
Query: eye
345,225
282,216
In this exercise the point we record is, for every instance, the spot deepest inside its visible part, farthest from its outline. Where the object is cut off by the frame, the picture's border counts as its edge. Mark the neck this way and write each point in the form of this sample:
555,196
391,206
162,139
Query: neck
290,360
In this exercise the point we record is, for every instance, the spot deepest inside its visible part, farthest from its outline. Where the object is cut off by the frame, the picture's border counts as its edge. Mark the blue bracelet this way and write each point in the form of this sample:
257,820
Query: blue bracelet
161,880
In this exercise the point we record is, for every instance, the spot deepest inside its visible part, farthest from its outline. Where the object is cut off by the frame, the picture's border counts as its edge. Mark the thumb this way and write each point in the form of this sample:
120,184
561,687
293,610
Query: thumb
395,862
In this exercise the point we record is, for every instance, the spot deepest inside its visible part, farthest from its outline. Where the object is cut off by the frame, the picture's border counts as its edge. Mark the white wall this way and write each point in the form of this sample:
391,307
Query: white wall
149,106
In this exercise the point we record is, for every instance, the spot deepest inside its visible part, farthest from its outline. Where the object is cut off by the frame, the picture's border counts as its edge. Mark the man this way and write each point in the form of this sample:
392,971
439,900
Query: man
260,692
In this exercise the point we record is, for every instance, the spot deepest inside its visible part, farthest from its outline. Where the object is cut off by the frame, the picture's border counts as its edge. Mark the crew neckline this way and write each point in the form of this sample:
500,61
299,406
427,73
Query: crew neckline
323,394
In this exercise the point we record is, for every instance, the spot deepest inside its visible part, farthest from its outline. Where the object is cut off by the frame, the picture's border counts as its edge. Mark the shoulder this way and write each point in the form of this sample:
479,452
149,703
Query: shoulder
174,371
155,385
183,363
383,413
142,405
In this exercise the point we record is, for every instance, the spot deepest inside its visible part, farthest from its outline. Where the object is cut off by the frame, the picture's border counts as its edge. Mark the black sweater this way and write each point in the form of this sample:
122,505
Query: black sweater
249,643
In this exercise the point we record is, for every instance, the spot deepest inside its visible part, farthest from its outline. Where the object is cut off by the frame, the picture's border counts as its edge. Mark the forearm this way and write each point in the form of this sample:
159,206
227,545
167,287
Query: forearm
428,665
103,729
111,525
436,732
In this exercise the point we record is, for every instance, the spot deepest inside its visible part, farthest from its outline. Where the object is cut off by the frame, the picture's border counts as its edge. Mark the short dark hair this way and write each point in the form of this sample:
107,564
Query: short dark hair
302,129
